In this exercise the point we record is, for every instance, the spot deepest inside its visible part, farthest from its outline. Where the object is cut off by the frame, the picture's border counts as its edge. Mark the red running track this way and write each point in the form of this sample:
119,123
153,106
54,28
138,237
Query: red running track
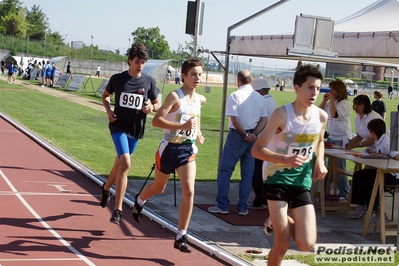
50,214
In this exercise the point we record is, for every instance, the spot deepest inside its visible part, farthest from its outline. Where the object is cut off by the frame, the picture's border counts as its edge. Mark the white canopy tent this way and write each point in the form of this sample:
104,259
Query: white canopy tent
368,37
355,41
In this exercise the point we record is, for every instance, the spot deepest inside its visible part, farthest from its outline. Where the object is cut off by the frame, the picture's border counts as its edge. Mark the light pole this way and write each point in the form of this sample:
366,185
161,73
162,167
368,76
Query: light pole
91,54
44,46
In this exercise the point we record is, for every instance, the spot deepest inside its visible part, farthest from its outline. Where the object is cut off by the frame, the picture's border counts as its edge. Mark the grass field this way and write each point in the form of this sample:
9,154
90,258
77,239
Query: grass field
83,132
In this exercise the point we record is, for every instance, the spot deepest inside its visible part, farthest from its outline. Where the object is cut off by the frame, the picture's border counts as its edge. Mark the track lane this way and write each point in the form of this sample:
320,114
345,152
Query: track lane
68,203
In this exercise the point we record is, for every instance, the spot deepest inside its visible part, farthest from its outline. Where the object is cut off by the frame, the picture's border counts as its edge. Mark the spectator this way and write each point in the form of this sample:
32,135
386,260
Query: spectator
11,70
364,114
338,108
177,77
3,64
390,92
355,87
247,118
378,104
98,71
363,180
260,85
68,71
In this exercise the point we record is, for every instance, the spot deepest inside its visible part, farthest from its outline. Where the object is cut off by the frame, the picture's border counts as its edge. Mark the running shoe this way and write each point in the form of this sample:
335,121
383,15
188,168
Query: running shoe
136,212
182,245
216,209
359,212
268,227
105,197
116,217
376,218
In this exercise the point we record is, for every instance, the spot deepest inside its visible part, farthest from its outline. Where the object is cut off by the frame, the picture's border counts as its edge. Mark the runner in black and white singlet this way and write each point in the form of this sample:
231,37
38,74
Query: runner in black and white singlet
179,116
293,150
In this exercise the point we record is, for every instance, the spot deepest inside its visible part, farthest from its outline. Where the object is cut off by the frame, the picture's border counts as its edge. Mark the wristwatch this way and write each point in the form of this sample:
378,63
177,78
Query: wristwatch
246,135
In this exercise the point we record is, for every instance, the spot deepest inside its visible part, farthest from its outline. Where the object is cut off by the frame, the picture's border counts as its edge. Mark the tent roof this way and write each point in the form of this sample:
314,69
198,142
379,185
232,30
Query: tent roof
380,16
365,47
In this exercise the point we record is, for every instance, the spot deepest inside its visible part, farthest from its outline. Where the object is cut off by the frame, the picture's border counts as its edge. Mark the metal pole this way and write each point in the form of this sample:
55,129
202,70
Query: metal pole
44,47
226,72
197,12
91,55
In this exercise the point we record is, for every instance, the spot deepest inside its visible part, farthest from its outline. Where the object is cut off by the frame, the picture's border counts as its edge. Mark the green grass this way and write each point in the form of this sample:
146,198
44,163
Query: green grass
83,132
309,260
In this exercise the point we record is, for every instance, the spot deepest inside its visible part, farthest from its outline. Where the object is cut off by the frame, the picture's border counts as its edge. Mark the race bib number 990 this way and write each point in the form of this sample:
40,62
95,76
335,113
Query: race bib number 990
304,151
131,100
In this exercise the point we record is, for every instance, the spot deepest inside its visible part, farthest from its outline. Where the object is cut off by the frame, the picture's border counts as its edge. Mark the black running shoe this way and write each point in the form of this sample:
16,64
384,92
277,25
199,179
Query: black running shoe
136,212
116,217
105,197
182,245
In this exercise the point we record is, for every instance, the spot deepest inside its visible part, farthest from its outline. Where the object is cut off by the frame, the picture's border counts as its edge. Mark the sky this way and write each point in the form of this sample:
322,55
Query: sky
112,22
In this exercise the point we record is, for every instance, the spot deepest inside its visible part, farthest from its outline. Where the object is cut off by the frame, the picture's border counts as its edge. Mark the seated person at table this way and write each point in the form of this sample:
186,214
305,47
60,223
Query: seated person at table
364,114
363,180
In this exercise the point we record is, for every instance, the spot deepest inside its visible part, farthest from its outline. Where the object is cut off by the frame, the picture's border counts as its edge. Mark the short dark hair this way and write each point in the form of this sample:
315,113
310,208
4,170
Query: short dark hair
365,100
138,50
190,63
304,71
377,126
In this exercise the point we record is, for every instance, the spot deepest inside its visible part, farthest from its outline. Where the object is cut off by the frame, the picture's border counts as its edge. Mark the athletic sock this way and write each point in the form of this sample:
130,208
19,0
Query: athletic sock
140,201
180,234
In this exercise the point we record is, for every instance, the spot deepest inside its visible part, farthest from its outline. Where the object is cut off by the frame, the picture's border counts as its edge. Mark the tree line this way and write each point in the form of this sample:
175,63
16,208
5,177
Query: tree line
24,30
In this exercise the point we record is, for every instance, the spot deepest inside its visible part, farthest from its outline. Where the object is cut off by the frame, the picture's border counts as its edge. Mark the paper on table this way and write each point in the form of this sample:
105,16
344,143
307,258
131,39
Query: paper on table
335,151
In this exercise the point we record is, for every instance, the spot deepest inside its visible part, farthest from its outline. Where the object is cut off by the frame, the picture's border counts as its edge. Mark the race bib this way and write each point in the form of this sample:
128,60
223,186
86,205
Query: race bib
186,134
304,151
131,100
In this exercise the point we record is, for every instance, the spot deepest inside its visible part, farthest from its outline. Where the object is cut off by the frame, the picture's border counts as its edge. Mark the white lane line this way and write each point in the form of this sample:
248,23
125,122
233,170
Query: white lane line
53,259
6,193
51,230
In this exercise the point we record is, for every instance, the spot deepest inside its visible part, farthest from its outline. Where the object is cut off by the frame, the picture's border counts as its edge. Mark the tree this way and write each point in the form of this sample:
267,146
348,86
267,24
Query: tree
54,37
9,7
12,18
157,46
14,23
37,23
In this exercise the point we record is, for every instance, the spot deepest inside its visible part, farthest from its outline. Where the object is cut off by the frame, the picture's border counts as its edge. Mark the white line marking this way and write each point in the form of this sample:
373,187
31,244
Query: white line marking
53,259
59,187
51,230
5,193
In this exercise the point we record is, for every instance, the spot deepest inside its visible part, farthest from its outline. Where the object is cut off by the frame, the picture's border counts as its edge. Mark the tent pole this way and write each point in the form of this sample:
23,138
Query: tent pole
226,70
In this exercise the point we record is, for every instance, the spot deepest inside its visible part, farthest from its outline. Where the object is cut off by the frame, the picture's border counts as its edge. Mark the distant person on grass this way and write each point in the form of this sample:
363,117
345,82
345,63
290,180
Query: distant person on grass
179,116
69,69
135,97
293,150
98,71
48,73
11,70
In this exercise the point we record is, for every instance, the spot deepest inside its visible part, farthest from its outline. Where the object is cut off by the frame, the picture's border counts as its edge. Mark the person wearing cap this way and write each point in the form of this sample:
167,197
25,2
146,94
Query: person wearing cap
247,118
261,86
